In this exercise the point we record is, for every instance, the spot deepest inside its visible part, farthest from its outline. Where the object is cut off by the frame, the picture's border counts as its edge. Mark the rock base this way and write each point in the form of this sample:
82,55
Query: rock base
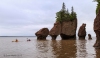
41,38
42,34
65,37
54,37
97,43
81,37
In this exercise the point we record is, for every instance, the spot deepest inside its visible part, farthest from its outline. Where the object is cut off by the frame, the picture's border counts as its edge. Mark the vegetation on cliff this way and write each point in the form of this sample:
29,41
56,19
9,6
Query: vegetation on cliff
98,5
64,15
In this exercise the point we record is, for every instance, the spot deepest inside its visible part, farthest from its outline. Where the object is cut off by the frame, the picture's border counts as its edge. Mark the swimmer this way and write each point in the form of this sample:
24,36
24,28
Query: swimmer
16,40
28,39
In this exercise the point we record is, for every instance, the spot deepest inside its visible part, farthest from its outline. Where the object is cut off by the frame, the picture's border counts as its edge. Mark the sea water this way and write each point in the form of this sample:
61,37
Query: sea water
47,48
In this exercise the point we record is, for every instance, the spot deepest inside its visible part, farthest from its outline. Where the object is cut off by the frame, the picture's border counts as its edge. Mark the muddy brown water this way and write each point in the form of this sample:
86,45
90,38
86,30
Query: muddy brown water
47,48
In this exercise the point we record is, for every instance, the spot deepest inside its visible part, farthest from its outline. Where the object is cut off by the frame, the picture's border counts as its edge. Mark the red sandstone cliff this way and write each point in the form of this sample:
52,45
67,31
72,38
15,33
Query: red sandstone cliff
97,30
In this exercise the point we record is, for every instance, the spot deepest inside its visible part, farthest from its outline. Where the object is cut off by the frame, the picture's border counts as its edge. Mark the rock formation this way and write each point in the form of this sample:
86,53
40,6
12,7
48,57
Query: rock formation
97,30
82,31
65,25
68,22
55,31
89,36
42,33
68,29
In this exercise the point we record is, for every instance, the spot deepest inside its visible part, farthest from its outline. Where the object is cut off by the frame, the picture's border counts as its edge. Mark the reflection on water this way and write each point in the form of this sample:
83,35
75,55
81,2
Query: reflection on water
64,48
44,49
81,49
47,48
97,53
85,49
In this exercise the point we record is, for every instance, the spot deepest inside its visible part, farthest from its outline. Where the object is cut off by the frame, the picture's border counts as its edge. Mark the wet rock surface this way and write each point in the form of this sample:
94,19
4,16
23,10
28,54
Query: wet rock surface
42,33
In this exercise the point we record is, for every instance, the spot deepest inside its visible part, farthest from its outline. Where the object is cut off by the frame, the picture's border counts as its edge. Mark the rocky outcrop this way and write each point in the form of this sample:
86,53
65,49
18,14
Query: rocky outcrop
82,31
66,24
55,31
97,30
89,36
42,33
68,29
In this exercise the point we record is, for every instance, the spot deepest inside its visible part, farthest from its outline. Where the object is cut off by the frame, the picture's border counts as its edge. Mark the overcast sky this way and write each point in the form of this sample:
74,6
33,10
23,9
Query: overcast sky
25,17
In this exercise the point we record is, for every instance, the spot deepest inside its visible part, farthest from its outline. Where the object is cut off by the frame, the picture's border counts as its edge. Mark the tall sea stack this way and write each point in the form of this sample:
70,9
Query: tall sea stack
97,29
55,31
68,29
82,31
67,24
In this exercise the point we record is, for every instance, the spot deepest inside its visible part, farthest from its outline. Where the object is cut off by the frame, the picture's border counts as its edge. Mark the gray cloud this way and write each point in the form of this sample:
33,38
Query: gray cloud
25,17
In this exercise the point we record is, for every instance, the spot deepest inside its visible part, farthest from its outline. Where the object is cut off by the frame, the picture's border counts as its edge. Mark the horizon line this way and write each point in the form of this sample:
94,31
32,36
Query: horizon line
17,36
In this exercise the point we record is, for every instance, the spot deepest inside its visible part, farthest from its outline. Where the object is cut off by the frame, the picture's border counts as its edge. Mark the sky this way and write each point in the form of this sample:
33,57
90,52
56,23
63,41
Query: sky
25,17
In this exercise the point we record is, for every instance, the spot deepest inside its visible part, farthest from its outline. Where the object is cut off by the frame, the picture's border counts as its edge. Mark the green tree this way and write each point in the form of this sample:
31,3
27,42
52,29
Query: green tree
96,0
61,14
72,10
73,14
64,15
63,7
67,15
58,16
67,12
98,5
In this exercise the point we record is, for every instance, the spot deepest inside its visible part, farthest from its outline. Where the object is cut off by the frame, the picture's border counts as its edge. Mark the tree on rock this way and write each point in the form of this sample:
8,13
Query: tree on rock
72,11
73,14
63,7
98,5
64,15
61,14
67,22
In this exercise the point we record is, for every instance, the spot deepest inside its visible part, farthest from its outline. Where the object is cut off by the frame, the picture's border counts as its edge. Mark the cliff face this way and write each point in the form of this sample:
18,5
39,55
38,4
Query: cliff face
68,29
42,33
97,30
82,31
55,31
